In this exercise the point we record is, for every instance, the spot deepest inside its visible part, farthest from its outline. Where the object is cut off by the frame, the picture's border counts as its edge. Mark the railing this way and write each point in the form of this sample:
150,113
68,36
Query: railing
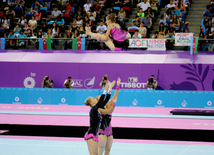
91,44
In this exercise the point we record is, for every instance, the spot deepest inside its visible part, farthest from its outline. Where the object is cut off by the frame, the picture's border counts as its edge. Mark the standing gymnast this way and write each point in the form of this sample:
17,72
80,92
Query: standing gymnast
113,31
91,135
105,132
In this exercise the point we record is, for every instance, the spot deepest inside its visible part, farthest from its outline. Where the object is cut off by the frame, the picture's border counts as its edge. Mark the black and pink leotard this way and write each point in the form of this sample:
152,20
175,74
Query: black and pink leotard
95,119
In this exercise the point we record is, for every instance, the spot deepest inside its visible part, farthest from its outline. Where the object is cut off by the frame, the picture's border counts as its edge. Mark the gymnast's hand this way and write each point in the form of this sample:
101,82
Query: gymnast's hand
118,81
114,100
87,30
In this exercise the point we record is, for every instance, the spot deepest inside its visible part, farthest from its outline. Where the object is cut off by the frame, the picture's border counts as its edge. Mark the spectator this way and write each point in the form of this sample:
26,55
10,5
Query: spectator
11,15
162,30
74,27
5,23
122,16
126,41
142,30
154,3
176,12
60,23
202,43
181,6
207,28
186,28
170,5
44,28
38,15
126,3
10,3
39,35
97,7
156,36
141,14
104,81
151,84
171,31
168,15
206,20
17,30
68,43
87,6
92,14
22,21
78,21
56,13
47,83
103,4
150,12
32,23
176,22
22,42
20,3
118,3
101,28
68,8
136,35
207,11
111,10
76,34
68,83
163,20
60,5
86,20
12,42
147,23
144,5
27,30
55,31
136,21
36,5
49,34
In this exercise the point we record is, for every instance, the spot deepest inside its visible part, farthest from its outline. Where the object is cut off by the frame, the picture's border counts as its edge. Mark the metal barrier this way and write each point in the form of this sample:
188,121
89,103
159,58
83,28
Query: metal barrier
92,44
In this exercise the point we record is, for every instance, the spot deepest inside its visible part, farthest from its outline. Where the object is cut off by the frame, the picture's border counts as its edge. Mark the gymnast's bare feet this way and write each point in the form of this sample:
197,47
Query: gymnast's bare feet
87,30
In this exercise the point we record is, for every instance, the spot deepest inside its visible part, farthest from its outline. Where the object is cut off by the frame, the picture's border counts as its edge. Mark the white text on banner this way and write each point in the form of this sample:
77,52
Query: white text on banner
138,43
157,44
182,39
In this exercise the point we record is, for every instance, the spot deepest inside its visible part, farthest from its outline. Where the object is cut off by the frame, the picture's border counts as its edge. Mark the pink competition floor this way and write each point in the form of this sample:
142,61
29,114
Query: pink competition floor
131,122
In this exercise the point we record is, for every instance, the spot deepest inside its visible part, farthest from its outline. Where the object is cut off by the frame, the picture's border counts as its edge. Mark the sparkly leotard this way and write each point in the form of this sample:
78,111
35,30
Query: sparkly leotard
95,119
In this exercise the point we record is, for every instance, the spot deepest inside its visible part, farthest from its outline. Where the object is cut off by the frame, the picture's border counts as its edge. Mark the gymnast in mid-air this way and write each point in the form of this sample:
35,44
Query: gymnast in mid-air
113,31
91,135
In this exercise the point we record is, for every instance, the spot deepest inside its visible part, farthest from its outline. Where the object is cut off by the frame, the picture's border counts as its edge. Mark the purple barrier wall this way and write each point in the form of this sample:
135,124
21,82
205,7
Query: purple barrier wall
178,76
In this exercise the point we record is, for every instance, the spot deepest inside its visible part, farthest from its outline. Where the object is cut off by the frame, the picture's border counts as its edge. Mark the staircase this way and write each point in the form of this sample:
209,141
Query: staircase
195,15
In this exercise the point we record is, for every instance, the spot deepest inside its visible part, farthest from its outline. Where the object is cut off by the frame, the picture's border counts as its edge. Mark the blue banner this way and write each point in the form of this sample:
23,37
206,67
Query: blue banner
40,44
82,43
2,43
127,98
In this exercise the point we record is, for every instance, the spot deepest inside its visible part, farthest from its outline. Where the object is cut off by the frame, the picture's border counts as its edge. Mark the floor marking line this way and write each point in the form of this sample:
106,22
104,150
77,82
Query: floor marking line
186,149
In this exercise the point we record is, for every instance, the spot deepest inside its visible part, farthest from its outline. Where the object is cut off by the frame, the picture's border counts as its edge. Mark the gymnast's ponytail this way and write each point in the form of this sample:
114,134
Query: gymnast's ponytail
87,101
112,17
